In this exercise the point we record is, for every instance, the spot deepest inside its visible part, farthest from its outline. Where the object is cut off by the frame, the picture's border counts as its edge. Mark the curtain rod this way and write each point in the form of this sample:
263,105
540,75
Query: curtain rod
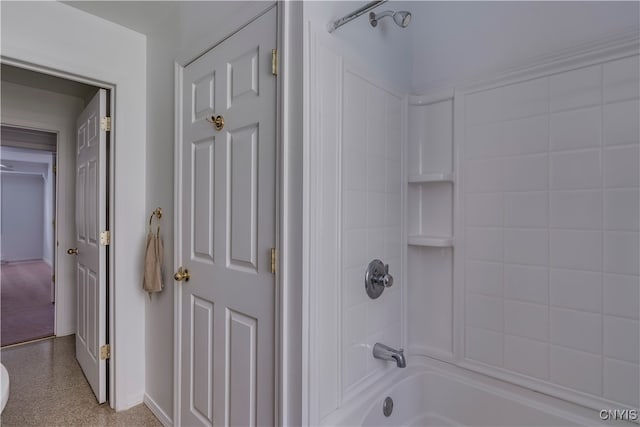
334,25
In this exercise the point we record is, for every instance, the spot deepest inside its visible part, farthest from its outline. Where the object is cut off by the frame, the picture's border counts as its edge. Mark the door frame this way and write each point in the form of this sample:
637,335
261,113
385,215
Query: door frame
60,211
288,225
33,38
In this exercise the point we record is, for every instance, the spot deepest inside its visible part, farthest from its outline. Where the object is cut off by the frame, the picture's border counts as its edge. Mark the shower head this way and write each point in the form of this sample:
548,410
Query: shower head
401,18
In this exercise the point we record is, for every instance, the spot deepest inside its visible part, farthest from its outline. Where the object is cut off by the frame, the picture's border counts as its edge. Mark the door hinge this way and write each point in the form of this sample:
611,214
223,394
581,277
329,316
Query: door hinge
105,238
105,124
273,260
105,352
53,278
55,169
274,62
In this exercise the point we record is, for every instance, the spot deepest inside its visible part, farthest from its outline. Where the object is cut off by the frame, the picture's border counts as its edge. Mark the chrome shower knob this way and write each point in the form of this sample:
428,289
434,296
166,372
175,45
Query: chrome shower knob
377,278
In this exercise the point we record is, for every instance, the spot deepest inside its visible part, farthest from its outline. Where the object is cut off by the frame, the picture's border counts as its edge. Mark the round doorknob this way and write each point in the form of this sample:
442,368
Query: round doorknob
217,121
182,275
73,251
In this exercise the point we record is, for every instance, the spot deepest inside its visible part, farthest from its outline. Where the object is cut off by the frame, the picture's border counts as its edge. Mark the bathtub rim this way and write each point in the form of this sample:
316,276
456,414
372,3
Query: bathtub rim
357,409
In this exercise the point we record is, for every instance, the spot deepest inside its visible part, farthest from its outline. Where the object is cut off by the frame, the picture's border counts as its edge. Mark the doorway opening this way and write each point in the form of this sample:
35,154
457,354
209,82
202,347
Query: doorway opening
27,246
76,117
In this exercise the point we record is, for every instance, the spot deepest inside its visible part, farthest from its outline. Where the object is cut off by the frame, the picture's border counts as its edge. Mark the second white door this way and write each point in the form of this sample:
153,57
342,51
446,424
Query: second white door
227,229
91,256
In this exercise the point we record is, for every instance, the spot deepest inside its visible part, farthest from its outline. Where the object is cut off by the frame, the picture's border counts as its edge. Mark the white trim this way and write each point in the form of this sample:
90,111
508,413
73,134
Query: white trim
177,238
164,419
596,53
432,97
290,200
308,334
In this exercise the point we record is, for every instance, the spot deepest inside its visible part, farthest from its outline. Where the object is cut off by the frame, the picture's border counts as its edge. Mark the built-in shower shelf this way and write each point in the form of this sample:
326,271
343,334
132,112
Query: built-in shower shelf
432,241
430,177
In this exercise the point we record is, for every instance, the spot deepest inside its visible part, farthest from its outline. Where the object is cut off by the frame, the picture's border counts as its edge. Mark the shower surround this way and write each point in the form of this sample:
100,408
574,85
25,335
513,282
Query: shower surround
516,233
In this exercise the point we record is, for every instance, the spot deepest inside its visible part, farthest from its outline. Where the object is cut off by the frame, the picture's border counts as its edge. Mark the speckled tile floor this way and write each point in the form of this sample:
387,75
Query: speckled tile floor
48,388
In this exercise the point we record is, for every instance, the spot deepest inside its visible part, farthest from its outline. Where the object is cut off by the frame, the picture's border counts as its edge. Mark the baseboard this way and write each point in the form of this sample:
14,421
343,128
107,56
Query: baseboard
133,400
159,413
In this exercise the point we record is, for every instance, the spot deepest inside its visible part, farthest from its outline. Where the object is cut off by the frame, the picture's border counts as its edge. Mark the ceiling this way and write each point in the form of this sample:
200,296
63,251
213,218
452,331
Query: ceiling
141,16
47,82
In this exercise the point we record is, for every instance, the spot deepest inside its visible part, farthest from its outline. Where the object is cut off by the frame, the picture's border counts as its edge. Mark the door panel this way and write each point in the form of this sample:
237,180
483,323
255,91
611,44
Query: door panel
91,256
201,342
243,360
227,232
203,210
242,163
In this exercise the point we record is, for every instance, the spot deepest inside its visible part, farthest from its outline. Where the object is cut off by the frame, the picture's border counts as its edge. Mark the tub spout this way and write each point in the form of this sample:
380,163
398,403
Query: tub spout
384,352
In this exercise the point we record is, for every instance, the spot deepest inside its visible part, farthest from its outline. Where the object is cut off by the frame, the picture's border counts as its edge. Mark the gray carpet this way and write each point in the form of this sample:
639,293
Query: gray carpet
26,311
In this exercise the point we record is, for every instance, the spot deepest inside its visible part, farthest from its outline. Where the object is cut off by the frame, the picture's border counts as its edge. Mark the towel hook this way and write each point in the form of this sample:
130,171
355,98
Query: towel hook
158,214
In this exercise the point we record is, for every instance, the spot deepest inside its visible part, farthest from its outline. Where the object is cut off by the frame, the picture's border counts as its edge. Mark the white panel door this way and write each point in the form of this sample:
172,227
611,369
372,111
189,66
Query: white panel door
227,230
91,180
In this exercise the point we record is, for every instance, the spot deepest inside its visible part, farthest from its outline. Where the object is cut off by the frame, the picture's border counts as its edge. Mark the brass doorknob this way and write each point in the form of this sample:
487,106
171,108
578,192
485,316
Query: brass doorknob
73,251
182,275
218,122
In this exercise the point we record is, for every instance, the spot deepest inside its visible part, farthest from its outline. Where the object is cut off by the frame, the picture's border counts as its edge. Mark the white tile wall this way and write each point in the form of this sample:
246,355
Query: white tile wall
620,382
526,356
526,283
552,244
371,223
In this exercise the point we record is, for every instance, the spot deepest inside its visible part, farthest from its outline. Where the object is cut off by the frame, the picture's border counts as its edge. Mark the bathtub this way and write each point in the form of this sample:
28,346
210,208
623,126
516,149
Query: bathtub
440,394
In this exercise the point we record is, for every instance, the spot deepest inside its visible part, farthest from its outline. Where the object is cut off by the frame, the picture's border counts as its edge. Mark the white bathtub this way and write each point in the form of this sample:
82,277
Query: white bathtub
439,394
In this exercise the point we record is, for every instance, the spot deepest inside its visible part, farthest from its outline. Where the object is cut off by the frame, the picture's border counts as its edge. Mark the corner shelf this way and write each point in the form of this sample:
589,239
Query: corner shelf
430,177
432,241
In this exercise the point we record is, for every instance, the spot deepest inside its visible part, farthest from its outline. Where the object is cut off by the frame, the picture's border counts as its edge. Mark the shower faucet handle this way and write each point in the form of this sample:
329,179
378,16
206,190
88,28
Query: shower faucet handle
387,279
377,278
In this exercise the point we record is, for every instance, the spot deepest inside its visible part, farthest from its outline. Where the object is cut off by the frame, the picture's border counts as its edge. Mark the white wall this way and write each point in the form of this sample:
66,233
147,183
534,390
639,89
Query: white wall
22,216
457,41
40,162
29,107
186,32
180,31
60,38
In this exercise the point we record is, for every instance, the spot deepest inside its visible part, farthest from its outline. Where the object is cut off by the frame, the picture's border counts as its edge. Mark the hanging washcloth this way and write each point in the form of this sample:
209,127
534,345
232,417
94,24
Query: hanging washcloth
153,260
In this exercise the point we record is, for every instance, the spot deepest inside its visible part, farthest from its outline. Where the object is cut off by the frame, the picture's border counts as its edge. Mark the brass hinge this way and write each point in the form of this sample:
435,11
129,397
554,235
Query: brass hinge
274,62
53,278
105,352
55,169
273,260
105,238
105,124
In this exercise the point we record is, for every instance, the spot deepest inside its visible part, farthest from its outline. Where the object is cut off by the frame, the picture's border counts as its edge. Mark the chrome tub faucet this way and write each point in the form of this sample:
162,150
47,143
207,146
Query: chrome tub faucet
384,352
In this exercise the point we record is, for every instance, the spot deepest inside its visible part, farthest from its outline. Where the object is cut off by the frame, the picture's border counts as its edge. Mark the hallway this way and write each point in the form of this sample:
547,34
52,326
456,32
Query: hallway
47,387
